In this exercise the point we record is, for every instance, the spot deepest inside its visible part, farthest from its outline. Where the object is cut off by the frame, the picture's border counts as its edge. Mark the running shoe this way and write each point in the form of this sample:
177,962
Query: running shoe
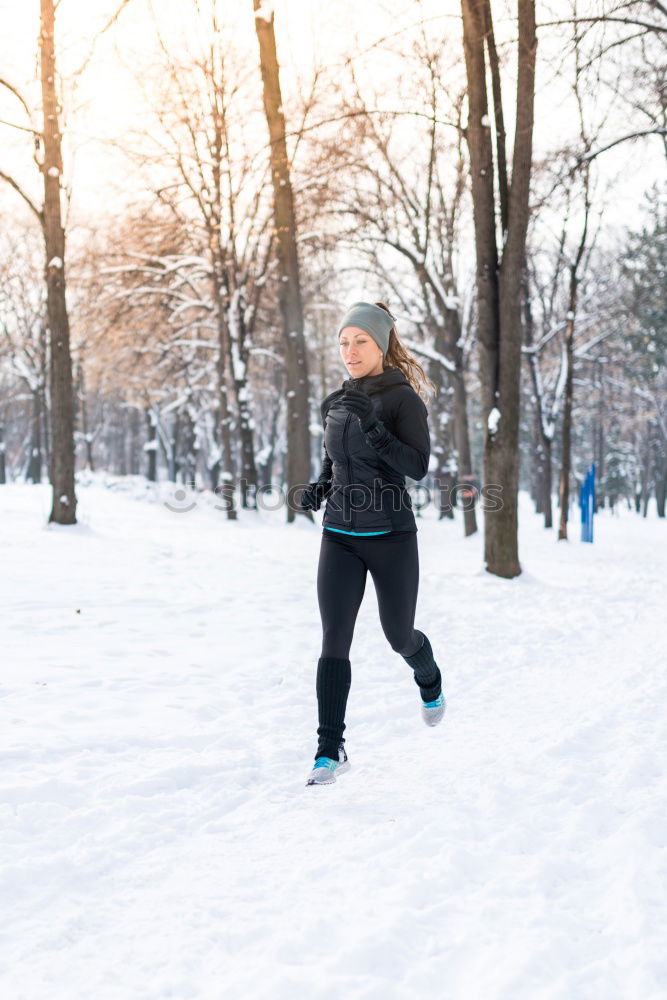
326,769
433,711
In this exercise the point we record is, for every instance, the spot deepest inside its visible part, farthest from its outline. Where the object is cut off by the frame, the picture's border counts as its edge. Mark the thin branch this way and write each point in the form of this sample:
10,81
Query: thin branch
17,95
21,128
430,353
112,20
598,20
623,138
658,6
31,205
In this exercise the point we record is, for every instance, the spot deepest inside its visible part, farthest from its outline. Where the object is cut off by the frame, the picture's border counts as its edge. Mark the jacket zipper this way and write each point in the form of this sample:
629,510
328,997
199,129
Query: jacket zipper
349,463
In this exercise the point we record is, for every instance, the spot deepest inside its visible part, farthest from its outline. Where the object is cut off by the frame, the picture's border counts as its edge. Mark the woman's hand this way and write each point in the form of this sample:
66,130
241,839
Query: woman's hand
311,498
359,403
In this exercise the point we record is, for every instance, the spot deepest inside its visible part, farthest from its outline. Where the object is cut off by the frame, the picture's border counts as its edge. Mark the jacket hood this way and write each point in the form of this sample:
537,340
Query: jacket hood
376,383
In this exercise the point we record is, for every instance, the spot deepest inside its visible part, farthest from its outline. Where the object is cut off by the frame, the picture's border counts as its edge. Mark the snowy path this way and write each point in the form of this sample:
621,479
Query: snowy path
157,840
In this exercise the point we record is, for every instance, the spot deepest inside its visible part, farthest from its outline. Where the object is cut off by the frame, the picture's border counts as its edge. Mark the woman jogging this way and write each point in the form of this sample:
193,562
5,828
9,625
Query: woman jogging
375,434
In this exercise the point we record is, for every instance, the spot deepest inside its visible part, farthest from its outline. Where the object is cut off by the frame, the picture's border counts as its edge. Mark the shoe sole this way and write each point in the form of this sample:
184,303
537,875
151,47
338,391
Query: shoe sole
341,769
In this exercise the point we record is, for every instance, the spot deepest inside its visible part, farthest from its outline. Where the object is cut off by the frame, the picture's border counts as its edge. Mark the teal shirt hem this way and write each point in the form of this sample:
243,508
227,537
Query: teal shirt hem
341,532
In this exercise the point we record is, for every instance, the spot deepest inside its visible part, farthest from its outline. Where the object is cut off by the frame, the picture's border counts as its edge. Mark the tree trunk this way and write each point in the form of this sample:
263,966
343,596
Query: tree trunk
3,467
289,291
121,441
499,287
266,468
600,440
542,450
63,509
83,410
566,454
536,460
225,480
188,466
34,471
45,394
646,472
442,437
151,446
444,480
481,161
239,354
135,465
173,463
451,348
547,475
661,486
462,437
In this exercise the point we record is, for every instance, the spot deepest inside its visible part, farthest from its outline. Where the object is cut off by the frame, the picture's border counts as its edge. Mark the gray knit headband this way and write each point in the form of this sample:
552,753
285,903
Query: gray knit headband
373,319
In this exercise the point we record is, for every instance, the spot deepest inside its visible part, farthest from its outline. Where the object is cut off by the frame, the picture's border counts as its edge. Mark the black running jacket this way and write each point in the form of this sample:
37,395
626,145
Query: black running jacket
367,471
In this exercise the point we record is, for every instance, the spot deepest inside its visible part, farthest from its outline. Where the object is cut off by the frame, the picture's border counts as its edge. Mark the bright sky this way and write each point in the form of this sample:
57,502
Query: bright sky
310,32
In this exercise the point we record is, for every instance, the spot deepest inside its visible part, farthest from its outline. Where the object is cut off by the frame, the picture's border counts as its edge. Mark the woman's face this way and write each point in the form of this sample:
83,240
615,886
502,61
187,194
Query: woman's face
361,355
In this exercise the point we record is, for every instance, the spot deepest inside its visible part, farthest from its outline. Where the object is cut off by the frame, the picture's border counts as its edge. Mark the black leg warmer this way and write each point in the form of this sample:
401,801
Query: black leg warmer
427,673
333,684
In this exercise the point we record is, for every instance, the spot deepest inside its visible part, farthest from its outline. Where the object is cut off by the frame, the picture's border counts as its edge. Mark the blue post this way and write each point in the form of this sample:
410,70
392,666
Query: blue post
587,504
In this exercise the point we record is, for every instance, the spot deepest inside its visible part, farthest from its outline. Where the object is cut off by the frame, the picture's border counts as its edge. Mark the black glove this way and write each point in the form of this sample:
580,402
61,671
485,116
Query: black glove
359,403
311,498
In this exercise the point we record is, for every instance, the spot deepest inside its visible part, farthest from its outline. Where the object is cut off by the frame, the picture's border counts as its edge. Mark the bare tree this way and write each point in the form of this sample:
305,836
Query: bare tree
402,203
215,190
48,144
499,277
547,404
24,341
291,308
575,168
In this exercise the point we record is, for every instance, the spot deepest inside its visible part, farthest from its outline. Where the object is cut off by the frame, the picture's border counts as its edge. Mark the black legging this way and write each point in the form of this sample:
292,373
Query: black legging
345,561
393,562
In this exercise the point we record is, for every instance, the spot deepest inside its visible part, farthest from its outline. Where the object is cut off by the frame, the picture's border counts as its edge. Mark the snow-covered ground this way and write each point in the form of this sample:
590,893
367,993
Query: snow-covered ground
158,720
